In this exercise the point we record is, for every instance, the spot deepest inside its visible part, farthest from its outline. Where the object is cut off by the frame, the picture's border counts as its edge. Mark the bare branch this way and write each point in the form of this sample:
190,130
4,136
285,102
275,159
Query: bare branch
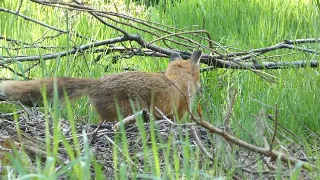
199,142
32,20
263,151
13,41
12,70
267,65
38,22
65,53
125,33
282,45
132,119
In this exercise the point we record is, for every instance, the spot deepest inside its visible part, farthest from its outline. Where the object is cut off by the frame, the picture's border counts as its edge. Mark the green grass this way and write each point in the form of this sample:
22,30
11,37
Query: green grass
243,24
255,24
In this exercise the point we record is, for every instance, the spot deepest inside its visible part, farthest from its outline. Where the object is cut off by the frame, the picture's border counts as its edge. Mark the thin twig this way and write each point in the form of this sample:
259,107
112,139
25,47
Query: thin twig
199,143
11,114
12,70
95,132
275,126
232,97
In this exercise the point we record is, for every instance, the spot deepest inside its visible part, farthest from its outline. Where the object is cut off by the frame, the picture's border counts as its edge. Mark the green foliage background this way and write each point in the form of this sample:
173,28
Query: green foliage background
242,24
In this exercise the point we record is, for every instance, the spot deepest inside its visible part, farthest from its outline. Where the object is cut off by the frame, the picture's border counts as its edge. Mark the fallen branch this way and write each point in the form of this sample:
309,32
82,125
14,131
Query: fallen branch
162,52
262,151
132,119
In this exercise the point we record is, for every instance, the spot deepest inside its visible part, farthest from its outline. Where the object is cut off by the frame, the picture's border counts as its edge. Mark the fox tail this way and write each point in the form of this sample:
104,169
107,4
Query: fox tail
30,92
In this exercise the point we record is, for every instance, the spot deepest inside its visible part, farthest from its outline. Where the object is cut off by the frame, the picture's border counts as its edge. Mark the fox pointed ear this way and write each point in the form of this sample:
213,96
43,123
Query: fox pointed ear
196,56
174,56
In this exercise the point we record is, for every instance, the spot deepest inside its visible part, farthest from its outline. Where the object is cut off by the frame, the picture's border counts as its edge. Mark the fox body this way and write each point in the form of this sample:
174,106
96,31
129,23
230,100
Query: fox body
170,92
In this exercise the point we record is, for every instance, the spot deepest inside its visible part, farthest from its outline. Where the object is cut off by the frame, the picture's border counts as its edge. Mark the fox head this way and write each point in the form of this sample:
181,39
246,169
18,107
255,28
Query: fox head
190,68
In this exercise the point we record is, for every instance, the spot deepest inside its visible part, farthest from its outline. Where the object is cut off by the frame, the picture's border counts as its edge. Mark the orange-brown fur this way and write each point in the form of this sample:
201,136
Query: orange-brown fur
170,91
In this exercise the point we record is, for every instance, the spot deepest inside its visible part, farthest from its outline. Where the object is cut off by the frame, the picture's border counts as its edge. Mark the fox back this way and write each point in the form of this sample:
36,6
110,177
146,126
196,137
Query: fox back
171,92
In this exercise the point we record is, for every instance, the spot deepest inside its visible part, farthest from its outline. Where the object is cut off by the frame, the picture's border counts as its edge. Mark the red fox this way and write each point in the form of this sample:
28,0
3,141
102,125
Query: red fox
170,92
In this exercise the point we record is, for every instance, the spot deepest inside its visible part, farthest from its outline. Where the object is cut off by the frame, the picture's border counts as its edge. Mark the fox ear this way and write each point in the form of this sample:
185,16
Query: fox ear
175,56
196,56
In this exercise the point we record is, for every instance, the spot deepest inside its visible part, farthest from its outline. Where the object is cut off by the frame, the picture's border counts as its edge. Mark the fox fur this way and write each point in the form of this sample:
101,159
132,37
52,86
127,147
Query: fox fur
170,92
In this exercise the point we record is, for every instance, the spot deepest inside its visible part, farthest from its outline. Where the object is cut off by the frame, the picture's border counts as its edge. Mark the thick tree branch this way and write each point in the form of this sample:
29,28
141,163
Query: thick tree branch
156,49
